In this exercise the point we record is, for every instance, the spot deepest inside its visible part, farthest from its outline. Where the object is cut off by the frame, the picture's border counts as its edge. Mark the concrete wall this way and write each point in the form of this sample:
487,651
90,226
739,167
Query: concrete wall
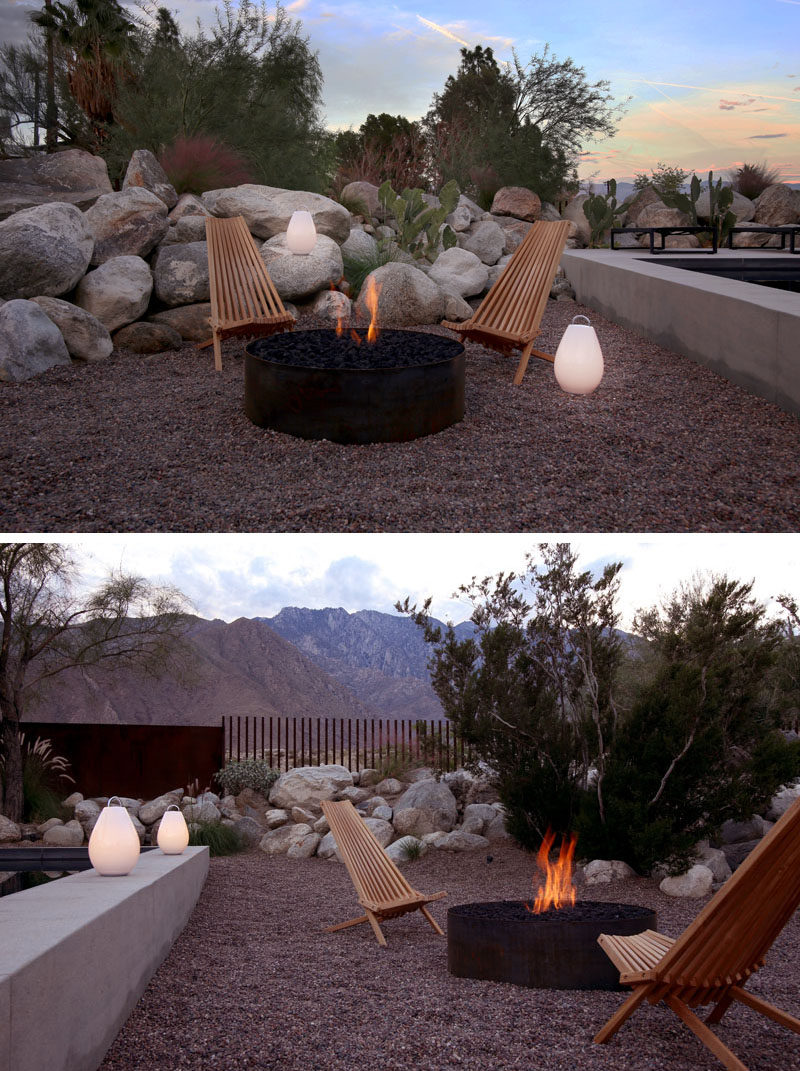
749,334
76,955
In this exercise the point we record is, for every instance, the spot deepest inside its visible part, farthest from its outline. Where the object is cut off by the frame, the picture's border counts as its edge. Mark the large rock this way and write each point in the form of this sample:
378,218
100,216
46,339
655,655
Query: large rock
249,830
777,206
152,810
190,321
30,342
459,219
297,277
604,871
696,882
117,292
425,807
87,812
487,240
381,830
188,205
517,201
146,172
66,836
326,849
459,272
180,274
86,338
144,337
405,849
9,831
275,817
477,816
44,250
738,832
201,811
390,786
407,297
187,229
362,198
742,207
305,848
716,862
659,215
637,204
129,223
461,841
359,244
309,785
279,841
456,308
267,210
514,231
73,177
332,305
782,801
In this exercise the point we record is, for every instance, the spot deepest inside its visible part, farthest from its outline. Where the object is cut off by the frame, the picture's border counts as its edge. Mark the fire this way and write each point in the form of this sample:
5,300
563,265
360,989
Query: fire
371,295
558,890
339,319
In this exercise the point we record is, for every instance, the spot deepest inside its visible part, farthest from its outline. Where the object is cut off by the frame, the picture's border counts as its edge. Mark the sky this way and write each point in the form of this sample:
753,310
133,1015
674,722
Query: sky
238,575
713,85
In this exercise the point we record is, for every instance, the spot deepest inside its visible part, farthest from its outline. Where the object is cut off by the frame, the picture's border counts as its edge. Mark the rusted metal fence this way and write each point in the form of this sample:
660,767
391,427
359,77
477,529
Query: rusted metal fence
373,743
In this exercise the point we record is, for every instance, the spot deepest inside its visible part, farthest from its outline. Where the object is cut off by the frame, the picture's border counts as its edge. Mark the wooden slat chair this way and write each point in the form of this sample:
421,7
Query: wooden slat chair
727,942
382,890
510,315
244,300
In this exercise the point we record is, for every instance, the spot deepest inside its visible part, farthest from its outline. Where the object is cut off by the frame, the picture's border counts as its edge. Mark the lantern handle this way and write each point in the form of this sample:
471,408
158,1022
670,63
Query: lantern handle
175,805
581,316
110,798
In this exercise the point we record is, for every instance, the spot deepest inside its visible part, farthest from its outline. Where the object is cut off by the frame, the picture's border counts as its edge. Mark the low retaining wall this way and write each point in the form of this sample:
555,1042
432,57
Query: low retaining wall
747,333
76,955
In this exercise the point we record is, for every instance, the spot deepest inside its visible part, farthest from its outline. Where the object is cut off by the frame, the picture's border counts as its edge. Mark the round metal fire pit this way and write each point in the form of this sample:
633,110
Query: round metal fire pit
317,386
503,942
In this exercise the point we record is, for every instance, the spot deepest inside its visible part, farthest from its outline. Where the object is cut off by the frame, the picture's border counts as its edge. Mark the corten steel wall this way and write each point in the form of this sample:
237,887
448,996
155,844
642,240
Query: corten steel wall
134,760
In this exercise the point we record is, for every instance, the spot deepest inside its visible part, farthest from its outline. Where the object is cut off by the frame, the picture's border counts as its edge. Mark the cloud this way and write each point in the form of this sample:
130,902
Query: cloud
729,105
765,137
443,30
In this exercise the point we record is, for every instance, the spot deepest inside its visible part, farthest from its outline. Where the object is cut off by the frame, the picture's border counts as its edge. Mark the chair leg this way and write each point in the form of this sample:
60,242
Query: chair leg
523,363
782,1017
369,917
373,921
432,921
719,1010
619,1017
217,352
708,1038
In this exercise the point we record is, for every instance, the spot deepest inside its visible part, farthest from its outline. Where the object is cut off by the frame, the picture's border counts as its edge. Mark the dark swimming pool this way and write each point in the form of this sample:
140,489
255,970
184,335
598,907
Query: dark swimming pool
780,273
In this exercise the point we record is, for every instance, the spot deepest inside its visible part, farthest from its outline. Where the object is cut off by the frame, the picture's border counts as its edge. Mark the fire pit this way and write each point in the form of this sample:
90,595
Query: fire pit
549,942
324,384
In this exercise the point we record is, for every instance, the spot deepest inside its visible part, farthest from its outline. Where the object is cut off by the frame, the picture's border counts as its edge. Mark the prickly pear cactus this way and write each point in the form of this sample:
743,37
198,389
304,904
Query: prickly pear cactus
601,211
418,225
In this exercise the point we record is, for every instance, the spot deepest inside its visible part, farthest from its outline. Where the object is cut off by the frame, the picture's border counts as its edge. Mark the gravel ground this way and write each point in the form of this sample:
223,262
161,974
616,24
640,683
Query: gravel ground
161,443
253,982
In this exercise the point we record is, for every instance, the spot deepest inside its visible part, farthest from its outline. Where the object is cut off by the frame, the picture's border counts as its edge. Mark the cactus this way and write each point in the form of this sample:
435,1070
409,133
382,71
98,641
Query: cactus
602,211
417,224
720,199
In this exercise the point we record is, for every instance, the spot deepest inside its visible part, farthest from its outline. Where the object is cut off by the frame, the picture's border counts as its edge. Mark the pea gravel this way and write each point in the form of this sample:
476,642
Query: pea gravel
254,982
161,443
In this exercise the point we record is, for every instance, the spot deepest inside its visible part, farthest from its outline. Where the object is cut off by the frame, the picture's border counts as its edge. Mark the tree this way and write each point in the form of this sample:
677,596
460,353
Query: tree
48,626
532,691
664,179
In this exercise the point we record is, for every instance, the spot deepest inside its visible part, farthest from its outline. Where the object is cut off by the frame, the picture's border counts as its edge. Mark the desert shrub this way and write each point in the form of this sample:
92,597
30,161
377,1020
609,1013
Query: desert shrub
750,180
664,179
247,773
220,839
358,266
43,776
194,165
412,848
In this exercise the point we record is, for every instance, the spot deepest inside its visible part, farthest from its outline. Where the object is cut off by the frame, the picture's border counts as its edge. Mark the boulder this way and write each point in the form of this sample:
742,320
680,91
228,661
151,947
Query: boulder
362,198
72,800
326,849
432,839
267,210
757,239
297,277
180,274
781,802
72,177
514,231
305,848
144,337
550,213
276,817
459,272
459,219
643,199
188,229
660,215
380,829
30,342
374,804
359,244
407,297
390,786
742,207
384,811
332,305
303,816
696,882
188,205
49,824
399,852
716,862
87,812
777,206
604,871
249,830
456,308
44,250
487,240
9,831
129,223
461,841
321,826
475,210
517,201
496,829
477,816
355,795
368,777
425,807
146,172
737,832
85,337
309,785
279,841
190,321
117,292
200,811
152,810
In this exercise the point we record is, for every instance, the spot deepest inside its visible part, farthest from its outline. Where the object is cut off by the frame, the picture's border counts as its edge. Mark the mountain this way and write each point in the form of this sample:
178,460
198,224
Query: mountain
243,667
381,658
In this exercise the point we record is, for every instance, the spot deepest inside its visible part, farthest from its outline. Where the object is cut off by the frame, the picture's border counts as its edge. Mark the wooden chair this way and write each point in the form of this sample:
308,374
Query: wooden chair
727,942
244,300
382,890
509,316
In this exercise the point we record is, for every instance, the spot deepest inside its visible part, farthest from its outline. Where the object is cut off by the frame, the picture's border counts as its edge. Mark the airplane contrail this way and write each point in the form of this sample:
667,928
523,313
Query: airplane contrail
711,89
442,30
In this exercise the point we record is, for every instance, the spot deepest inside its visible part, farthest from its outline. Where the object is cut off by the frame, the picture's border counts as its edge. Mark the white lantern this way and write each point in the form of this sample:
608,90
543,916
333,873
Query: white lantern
578,364
114,843
301,234
173,833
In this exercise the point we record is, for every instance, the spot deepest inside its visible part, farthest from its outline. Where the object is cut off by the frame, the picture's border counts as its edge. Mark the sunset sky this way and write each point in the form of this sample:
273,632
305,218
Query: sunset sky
713,84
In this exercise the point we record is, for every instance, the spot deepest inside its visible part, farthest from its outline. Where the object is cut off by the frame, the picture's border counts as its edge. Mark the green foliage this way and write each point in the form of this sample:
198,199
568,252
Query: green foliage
246,773
750,180
412,848
720,198
418,224
358,266
664,179
220,839
601,211
44,775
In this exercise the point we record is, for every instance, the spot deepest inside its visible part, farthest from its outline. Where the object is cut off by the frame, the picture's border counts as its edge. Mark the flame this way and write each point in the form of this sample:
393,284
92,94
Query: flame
558,890
339,319
355,336
371,295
